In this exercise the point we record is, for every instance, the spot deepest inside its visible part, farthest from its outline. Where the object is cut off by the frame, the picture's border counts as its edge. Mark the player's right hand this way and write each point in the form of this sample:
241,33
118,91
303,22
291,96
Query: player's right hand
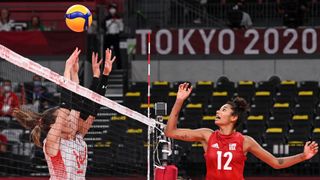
108,62
184,91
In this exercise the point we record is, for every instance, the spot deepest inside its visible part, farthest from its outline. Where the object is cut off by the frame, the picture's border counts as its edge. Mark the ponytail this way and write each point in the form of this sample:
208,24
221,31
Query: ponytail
27,119
37,123
36,135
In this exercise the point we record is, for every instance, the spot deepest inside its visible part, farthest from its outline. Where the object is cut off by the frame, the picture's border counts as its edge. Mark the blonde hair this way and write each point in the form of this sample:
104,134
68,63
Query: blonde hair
37,122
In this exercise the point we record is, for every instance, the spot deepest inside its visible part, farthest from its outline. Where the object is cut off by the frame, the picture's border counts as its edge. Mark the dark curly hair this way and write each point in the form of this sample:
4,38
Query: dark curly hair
240,108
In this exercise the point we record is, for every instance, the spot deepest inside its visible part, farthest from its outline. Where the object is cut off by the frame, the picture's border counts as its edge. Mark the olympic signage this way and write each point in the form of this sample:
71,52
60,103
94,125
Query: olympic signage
270,41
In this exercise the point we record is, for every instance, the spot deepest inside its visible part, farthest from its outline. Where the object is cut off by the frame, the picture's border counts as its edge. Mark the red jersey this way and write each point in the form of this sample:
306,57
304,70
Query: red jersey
224,157
8,102
3,139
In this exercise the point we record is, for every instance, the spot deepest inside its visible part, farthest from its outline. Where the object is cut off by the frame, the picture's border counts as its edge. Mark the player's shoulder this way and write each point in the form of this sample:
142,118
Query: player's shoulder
206,130
248,140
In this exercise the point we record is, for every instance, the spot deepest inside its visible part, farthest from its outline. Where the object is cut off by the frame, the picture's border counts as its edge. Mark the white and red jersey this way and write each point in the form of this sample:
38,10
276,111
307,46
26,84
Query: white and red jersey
225,158
71,161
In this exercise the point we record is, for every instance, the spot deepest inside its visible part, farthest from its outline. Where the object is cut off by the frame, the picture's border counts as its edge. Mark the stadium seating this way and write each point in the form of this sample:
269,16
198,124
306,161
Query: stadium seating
282,118
288,88
255,126
246,89
284,114
208,122
159,91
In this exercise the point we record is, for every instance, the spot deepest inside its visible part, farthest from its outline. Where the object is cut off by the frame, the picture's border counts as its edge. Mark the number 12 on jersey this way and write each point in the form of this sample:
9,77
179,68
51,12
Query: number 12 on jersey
226,165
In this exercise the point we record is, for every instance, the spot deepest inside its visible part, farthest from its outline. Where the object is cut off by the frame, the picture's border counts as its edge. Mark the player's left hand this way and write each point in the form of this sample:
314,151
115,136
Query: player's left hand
108,62
95,65
73,59
310,149
75,67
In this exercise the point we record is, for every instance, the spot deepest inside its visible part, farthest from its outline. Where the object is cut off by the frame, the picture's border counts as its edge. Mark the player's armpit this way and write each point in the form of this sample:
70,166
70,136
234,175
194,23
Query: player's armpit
260,153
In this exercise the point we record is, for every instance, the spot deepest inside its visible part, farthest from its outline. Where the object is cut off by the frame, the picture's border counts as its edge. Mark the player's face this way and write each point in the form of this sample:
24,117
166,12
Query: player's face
66,129
223,115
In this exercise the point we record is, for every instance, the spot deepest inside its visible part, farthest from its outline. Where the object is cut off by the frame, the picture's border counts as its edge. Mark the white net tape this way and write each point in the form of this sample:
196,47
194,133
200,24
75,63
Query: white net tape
36,68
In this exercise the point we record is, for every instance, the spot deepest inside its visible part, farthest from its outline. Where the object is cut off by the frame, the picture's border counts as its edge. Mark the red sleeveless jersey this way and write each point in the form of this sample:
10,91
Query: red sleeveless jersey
224,157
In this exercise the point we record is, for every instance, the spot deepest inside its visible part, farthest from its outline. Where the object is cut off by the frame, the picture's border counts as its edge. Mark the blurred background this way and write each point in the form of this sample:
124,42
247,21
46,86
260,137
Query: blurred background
266,51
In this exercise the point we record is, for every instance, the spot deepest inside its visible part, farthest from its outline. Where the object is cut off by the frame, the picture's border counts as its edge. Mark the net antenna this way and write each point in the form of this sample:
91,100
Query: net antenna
149,127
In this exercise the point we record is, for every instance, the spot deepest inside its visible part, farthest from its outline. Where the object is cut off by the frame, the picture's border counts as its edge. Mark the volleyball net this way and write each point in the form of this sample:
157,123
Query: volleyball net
117,141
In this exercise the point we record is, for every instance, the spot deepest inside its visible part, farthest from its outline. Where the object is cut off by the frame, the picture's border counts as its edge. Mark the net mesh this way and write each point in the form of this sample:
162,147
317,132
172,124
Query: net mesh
117,144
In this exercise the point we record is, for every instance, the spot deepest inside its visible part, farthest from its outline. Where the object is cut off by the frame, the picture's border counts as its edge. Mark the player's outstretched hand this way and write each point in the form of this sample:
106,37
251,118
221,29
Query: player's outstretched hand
73,59
95,65
108,62
184,91
310,149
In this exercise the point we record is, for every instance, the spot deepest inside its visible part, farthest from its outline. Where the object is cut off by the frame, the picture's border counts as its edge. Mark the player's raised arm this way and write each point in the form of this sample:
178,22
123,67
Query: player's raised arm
63,113
180,133
99,85
76,99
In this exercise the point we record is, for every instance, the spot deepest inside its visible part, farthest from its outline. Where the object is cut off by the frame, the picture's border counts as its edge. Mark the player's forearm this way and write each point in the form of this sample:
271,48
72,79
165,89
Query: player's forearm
63,113
173,118
284,162
74,120
55,131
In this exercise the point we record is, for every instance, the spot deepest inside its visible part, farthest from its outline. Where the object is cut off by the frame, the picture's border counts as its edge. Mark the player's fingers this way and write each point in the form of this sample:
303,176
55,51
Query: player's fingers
95,58
180,86
113,59
99,63
110,52
315,147
312,143
107,53
75,51
183,86
307,143
186,87
72,55
78,52
314,151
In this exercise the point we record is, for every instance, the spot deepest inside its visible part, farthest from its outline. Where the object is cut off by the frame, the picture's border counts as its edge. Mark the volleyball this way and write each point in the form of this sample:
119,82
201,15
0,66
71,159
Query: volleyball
78,18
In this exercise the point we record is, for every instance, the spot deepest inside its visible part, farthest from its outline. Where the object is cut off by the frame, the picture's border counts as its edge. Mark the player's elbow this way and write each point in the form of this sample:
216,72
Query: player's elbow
276,167
169,132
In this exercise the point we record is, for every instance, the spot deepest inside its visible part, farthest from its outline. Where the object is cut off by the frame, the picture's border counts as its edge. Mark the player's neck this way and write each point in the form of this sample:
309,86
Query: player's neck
226,130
